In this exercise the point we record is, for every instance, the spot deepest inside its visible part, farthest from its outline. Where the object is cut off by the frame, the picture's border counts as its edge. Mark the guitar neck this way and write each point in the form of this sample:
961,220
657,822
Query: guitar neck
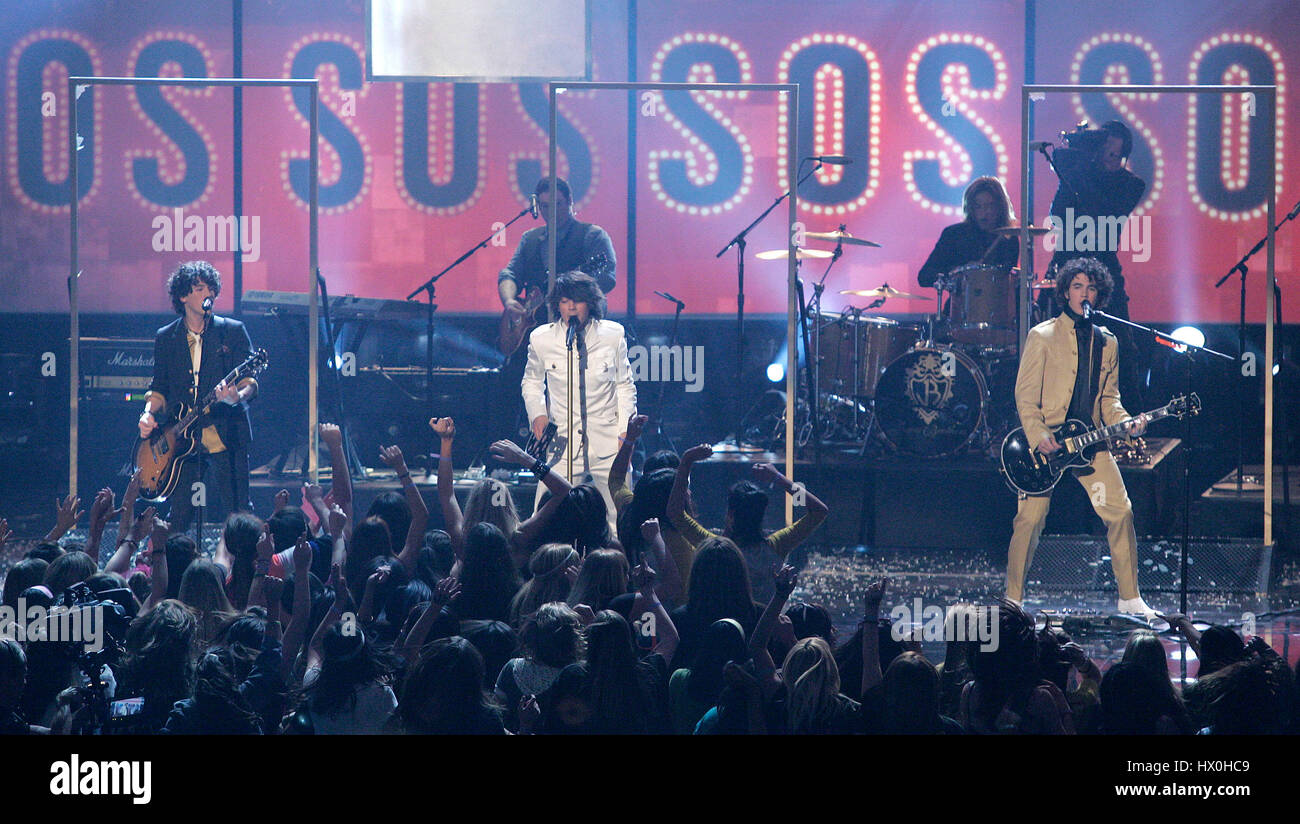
208,400
1107,432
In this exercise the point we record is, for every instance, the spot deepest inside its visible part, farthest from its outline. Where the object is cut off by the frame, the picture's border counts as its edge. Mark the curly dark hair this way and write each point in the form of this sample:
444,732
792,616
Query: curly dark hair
1095,271
580,287
181,282
561,185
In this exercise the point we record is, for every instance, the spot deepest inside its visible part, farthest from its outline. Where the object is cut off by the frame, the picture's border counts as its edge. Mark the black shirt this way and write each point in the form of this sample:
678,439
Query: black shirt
583,246
1091,191
1087,377
963,243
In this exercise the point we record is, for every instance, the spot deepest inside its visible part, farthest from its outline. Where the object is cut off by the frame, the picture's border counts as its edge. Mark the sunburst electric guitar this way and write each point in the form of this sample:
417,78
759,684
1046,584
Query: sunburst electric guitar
161,456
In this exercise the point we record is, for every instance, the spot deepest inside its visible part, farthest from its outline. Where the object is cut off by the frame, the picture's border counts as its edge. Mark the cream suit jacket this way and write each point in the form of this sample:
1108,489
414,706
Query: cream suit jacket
1045,382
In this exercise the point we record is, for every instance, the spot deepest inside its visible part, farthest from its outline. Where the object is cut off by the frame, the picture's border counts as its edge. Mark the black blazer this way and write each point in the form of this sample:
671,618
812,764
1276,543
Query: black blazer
225,346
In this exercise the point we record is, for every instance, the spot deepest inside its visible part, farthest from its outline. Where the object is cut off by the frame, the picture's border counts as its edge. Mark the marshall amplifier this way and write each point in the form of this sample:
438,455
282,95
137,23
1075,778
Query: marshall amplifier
116,369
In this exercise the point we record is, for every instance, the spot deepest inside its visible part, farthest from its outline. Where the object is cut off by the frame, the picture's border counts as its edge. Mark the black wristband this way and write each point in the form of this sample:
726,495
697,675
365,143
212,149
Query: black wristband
541,469
404,476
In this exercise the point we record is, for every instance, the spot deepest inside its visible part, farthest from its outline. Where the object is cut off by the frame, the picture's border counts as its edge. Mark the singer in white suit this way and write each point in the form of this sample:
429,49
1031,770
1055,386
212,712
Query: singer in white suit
605,383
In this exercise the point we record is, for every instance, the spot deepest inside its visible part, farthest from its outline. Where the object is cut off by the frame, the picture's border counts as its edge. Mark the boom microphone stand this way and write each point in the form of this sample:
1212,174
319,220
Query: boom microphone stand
659,436
1188,350
428,286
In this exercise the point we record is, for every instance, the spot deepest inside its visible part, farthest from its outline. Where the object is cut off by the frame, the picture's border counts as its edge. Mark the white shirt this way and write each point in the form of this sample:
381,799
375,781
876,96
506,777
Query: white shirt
611,394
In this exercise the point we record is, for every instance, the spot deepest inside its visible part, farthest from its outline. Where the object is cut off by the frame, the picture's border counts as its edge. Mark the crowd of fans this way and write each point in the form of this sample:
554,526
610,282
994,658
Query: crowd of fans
315,621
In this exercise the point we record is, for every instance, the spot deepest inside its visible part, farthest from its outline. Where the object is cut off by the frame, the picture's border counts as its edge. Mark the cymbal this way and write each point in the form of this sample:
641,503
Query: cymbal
885,291
1043,284
782,254
1011,231
841,237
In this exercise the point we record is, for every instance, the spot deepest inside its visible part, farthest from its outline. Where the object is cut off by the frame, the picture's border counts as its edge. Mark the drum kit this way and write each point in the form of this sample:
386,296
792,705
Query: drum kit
916,389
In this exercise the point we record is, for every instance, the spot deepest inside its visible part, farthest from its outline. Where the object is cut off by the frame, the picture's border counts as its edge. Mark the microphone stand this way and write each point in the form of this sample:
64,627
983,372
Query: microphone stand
1188,350
1241,267
428,286
739,241
353,462
659,436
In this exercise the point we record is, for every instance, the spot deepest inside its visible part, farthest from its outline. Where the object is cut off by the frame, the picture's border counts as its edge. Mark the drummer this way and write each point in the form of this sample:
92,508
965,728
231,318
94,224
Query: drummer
987,207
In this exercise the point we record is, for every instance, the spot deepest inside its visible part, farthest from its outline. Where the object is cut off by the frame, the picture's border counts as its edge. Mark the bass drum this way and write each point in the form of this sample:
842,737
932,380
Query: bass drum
930,402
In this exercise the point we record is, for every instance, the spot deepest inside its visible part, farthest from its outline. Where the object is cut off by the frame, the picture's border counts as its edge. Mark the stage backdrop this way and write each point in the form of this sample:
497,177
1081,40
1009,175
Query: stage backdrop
923,97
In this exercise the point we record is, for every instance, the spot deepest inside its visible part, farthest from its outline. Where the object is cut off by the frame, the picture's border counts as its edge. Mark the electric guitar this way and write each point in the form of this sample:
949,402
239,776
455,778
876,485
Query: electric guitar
161,456
1030,472
514,330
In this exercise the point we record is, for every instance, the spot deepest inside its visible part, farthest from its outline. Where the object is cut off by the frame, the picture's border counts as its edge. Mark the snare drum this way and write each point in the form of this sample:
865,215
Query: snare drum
930,401
984,304
854,351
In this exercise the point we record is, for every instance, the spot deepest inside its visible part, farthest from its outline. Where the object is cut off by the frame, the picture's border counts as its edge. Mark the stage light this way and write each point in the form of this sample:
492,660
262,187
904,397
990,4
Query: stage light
776,372
1189,334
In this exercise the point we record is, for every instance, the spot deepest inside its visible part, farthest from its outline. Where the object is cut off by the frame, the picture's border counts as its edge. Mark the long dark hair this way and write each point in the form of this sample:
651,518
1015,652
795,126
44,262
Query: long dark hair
488,580
350,662
159,663
649,500
911,693
443,691
723,641
1008,674
1133,700
616,694
719,585
746,503
581,519
220,705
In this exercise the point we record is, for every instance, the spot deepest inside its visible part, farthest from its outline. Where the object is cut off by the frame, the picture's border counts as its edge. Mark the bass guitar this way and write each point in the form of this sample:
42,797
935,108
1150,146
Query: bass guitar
161,456
1030,472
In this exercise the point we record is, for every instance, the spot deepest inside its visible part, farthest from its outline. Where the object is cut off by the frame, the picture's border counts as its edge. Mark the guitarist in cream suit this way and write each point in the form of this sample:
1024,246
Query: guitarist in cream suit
192,354
605,384
1069,369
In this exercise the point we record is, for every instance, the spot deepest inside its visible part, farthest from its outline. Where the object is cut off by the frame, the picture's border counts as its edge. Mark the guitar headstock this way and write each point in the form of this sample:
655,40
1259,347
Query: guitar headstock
253,365
1183,405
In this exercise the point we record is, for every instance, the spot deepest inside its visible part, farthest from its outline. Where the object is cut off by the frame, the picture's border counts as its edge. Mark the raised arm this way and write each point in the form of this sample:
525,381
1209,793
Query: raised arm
158,573
451,514
100,512
647,603
410,554
447,590
623,460
376,580
786,578
261,566
509,452
340,480
871,674
296,631
668,583
316,500
66,515
677,497
342,600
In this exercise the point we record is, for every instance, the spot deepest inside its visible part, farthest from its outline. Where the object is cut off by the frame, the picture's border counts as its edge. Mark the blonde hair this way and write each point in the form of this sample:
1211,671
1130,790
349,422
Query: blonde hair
548,583
603,576
481,507
812,680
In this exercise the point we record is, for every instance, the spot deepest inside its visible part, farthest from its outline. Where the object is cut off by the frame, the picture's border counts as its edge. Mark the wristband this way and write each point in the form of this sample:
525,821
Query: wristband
405,476
261,567
541,469
131,541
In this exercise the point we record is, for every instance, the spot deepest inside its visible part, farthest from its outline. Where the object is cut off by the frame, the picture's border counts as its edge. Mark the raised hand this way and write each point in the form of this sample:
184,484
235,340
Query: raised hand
530,712
585,614
281,499
338,520
313,493
571,573
265,546
445,428
786,579
509,452
643,577
67,514
393,459
783,632
697,453
101,509
302,555
272,588
447,590
875,594
636,426
143,524
378,578
650,529
330,434
159,538
766,473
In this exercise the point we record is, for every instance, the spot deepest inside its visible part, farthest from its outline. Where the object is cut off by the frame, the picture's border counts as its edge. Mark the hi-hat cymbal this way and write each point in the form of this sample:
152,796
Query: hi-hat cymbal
841,237
1044,284
782,254
1015,230
885,291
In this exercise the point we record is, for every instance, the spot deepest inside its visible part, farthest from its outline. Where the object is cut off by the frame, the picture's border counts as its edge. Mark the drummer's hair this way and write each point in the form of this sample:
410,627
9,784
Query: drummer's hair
993,186
1096,272
579,287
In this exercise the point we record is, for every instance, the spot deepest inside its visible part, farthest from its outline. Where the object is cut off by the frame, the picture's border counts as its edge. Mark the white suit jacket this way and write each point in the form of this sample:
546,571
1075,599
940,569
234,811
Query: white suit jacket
611,394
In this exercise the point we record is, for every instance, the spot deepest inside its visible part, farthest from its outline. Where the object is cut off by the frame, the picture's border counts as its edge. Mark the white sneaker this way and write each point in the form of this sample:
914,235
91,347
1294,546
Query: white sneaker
1137,606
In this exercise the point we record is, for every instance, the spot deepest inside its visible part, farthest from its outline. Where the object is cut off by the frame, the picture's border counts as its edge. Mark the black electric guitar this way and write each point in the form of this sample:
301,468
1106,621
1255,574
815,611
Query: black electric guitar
161,456
1028,471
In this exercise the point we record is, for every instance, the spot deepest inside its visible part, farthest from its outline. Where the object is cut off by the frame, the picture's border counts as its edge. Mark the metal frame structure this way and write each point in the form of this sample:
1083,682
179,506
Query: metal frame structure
75,84
1268,93
792,159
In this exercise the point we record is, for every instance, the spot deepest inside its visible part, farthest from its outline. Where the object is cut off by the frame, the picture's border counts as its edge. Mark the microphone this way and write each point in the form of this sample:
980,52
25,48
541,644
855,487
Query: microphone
1086,306
667,296
532,207
831,160
573,332
1039,145
207,306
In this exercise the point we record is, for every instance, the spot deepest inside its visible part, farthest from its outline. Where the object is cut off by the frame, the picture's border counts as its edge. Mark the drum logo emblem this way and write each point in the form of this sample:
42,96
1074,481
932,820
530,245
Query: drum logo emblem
928,388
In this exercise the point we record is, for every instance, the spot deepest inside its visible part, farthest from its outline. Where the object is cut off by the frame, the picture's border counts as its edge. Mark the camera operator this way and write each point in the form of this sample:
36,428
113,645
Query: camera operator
1096,183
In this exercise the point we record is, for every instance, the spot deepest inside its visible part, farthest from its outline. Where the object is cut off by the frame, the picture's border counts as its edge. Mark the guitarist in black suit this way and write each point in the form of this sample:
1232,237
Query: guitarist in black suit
192,354
1069,369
